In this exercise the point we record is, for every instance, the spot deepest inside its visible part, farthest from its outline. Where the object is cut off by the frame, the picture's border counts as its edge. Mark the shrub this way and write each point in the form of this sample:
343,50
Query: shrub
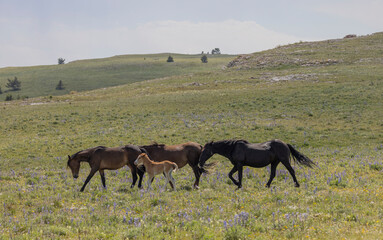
60,86
9,97
204,59
14,84
216,51
170,59
61,61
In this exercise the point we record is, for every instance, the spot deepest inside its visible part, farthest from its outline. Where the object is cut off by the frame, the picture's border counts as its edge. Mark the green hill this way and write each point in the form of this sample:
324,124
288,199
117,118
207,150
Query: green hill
99,73
325,98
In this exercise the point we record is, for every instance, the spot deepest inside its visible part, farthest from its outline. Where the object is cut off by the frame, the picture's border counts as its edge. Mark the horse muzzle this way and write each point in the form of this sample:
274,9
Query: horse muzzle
75,176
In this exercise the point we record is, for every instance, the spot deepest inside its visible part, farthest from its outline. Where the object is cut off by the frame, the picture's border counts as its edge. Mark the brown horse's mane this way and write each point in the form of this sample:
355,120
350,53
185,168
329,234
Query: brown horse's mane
154,144
88,151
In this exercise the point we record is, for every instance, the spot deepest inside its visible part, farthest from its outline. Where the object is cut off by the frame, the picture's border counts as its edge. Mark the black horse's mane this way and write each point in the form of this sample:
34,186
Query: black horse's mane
231,141
226,147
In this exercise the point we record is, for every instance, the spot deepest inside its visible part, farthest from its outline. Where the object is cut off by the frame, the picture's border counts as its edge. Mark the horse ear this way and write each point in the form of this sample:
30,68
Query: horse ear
68,157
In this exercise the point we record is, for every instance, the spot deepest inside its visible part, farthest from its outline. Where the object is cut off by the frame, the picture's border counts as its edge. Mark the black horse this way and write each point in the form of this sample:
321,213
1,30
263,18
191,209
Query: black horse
242,153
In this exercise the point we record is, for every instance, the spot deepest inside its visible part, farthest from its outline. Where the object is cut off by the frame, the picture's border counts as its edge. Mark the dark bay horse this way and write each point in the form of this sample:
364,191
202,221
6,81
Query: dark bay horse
242,153
101,158
181,154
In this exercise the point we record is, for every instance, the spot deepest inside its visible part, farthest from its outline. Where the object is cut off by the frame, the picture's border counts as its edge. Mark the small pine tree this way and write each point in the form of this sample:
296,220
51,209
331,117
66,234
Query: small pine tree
61,61
170,59
216,51
14,84
60,86
204,59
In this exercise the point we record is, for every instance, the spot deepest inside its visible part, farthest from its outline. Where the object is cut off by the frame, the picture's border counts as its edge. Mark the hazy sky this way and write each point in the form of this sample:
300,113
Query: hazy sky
38,32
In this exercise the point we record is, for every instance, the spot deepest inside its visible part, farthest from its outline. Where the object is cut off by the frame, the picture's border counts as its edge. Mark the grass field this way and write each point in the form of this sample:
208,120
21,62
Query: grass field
106,72
324,98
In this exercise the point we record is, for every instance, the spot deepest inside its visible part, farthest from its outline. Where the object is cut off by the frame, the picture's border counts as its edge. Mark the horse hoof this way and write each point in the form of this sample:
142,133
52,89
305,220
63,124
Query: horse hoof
196,187
268,186
132,186
297,185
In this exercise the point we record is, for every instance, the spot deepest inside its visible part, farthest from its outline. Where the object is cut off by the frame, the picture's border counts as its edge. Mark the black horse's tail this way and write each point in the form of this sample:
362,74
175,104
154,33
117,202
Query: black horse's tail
300,158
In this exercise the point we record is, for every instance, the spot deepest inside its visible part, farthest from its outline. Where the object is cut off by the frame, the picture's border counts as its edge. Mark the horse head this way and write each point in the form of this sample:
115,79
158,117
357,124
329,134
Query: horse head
207,152
140,159
74,165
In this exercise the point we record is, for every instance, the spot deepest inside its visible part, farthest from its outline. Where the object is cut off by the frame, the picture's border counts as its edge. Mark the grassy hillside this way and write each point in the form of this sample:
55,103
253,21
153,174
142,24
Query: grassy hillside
328,105
99,73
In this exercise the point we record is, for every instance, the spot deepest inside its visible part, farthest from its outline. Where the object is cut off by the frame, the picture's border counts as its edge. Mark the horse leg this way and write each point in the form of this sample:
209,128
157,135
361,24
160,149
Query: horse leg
231,175
150,180
272,173
240,169
92,172
167,179
197,176
141,175
291,171
133,170
172,180
171,184
102,174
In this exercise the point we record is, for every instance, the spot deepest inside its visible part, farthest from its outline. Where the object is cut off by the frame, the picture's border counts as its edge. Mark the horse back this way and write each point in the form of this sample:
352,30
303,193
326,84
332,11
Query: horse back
181,154
111,158
254,154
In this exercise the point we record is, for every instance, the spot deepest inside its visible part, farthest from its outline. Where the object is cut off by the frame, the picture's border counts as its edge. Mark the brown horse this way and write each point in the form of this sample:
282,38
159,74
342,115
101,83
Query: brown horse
101,158
155,168
181,154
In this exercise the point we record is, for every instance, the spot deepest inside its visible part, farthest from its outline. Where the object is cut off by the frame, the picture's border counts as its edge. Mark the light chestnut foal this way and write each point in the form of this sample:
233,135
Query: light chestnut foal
155,168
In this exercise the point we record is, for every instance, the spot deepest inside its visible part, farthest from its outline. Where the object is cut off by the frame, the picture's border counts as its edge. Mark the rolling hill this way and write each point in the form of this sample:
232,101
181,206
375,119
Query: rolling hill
325,98
92,74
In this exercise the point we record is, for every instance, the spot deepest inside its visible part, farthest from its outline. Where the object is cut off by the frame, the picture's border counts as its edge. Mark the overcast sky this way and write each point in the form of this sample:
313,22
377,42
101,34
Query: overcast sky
38,32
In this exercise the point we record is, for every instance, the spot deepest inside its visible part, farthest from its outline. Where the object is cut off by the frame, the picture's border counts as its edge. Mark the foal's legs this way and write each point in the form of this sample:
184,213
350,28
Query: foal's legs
102,174
171,184
272,172
150,179
231,175
92,172
167,179
291,171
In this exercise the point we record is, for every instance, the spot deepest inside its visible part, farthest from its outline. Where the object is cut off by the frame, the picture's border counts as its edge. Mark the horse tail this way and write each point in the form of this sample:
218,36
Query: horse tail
206,168
300,158
175,167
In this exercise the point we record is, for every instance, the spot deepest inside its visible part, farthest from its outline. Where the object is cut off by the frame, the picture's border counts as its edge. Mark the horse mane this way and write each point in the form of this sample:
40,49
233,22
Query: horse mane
154,144
227,146
87,150
234,141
